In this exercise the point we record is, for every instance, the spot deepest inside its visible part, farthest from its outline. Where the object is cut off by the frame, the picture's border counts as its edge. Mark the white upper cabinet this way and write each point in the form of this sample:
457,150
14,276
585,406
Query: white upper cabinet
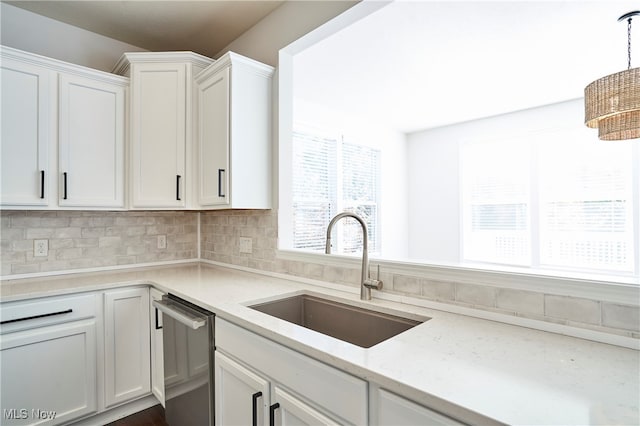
91,144
161,126
234,134
158,135
56,110
26,133
213,137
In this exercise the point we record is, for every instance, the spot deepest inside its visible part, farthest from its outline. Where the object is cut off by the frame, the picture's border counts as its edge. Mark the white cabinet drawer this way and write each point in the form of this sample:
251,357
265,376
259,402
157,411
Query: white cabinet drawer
326,387
23,315
48,374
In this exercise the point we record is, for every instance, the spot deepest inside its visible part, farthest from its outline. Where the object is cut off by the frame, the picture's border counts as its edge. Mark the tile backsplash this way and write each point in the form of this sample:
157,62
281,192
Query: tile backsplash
221,231
81,239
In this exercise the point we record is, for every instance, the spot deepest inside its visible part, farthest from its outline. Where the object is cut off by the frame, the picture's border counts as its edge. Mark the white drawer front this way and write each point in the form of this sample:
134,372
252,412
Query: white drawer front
24,315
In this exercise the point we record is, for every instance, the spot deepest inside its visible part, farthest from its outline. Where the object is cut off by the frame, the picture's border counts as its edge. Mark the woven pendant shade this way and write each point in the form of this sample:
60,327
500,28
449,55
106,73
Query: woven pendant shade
612,105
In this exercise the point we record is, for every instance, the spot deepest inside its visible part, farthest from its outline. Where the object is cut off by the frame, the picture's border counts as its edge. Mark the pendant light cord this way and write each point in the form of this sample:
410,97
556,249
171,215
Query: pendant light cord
629,43
628,17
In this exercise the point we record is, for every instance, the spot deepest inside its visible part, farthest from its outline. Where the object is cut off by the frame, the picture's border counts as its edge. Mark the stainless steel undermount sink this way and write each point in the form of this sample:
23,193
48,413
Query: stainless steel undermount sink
359,326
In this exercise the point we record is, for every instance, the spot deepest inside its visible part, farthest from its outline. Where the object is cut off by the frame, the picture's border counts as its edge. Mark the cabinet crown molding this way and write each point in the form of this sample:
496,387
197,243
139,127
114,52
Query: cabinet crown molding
125,61
61,66
231,58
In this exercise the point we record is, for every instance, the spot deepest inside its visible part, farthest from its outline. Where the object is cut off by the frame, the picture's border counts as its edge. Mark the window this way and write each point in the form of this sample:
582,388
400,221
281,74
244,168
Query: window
496,193
331,175
549,200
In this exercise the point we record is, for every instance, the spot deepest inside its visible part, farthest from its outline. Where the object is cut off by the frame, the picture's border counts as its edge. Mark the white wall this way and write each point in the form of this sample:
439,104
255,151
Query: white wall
34,33
434,173
434,200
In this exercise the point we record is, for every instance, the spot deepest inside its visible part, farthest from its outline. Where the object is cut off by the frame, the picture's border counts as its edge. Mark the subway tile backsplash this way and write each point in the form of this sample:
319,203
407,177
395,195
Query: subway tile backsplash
80,239
94,239
220,242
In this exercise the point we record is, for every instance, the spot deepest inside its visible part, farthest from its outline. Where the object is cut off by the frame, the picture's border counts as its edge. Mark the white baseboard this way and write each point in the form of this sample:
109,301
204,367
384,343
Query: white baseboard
119,412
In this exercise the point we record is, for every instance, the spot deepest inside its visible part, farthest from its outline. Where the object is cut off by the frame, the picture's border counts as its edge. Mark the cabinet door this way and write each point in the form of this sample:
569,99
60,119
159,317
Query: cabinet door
241,396
394,410
26,127
291,411
127,345
213,139
158,135
157,361
91,144
48,374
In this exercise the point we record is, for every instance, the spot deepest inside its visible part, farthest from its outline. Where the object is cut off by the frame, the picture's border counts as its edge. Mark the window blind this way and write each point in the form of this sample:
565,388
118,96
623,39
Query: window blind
360,183
586,199
314,182
552,200
496,192
330,176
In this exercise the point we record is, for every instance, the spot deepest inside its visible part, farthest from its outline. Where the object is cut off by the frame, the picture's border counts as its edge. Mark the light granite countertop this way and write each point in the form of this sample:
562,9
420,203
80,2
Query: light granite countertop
474,370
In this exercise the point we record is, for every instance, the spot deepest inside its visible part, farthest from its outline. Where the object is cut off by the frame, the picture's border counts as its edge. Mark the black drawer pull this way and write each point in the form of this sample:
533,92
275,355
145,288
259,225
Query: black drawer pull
68,311
41,183
220,186
64,192
158,327
178,187
255,397
272,414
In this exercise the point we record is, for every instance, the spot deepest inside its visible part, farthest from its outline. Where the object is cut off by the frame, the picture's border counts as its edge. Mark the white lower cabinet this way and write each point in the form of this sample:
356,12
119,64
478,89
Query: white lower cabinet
289,388
287,410
242,396
389,409
157,359
245,398
127,344
48,360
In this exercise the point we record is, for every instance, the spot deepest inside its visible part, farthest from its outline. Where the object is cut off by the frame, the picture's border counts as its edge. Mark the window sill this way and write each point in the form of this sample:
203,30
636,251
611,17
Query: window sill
614,289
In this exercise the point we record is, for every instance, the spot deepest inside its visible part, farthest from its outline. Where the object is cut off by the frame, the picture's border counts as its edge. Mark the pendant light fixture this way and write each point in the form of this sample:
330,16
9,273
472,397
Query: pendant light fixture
612,103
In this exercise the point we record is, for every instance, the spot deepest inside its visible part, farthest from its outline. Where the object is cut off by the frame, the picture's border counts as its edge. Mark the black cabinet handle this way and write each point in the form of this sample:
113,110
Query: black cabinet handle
178,187
220,193
41,183
158,327
64,190
272,414
68,311
255,397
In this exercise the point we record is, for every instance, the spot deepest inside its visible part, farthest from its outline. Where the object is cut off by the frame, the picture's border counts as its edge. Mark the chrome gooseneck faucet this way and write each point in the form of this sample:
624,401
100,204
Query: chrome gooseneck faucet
366,282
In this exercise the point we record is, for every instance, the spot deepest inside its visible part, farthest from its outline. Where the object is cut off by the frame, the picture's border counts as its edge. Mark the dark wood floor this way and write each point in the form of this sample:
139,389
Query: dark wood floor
153,416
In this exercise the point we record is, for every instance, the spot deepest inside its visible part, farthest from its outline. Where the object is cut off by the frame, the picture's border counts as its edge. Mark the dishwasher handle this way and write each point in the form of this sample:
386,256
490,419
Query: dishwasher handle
180,314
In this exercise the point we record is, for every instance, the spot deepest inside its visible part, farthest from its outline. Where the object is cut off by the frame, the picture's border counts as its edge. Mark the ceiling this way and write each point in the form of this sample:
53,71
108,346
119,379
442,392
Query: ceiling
412,64
423,64
205,27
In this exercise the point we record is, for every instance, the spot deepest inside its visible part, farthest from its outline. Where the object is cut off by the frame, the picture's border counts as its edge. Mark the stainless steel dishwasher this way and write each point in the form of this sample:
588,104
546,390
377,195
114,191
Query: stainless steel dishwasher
188,344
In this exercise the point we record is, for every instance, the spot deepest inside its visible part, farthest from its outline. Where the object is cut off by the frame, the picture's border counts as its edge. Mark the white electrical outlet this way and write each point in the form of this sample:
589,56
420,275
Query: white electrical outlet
40,248
162,241
246,245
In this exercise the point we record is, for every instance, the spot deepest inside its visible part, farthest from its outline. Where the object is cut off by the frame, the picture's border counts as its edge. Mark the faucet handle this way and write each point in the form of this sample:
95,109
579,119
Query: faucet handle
371,283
